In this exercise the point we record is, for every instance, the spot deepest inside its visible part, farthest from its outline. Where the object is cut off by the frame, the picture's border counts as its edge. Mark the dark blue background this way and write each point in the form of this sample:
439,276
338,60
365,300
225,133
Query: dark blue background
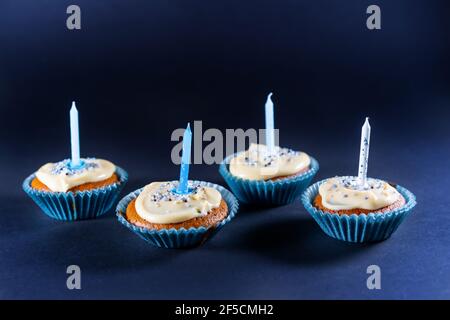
140,69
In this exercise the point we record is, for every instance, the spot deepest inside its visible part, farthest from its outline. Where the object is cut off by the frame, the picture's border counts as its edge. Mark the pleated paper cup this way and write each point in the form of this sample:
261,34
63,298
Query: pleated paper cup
178,238
372,227
261,192
79,205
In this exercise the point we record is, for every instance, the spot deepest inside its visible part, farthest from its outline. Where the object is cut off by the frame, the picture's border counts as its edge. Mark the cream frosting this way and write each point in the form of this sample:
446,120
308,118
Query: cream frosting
159,203
257,163
60,176
346,193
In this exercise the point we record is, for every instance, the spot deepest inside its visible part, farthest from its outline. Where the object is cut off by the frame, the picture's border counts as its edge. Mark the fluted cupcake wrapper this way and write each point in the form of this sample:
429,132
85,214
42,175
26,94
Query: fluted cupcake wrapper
358,228
279,192
79,205
178,238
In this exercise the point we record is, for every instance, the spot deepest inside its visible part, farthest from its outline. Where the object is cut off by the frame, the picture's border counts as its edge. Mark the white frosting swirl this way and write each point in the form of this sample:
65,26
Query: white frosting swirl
60,177
257,163
345,193
159,203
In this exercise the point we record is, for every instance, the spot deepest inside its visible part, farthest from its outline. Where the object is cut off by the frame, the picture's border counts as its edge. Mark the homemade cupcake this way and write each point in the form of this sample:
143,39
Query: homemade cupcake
166,218
65,192
275,177
347,210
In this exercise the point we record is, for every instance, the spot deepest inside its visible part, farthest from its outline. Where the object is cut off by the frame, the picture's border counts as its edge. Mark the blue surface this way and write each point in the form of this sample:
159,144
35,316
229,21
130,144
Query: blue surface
140,69
262,253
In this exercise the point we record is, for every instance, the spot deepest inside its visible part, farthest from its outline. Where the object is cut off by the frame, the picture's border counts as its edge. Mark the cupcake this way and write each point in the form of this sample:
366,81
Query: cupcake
169,219
177,214
358,209
274,177
67,192
349,211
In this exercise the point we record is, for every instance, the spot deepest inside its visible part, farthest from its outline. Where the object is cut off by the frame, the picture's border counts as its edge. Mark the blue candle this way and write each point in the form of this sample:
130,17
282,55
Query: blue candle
185,160
270,139
74,137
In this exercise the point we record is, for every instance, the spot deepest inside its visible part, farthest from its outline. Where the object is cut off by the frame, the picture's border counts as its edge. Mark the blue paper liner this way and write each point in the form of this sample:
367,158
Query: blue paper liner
358,228
279,192
178,238
79,205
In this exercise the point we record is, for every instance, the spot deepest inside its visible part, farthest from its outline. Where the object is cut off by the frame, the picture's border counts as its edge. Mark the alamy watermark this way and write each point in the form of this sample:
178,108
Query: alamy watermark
373,22
74,279
213,145
73,21
374,280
